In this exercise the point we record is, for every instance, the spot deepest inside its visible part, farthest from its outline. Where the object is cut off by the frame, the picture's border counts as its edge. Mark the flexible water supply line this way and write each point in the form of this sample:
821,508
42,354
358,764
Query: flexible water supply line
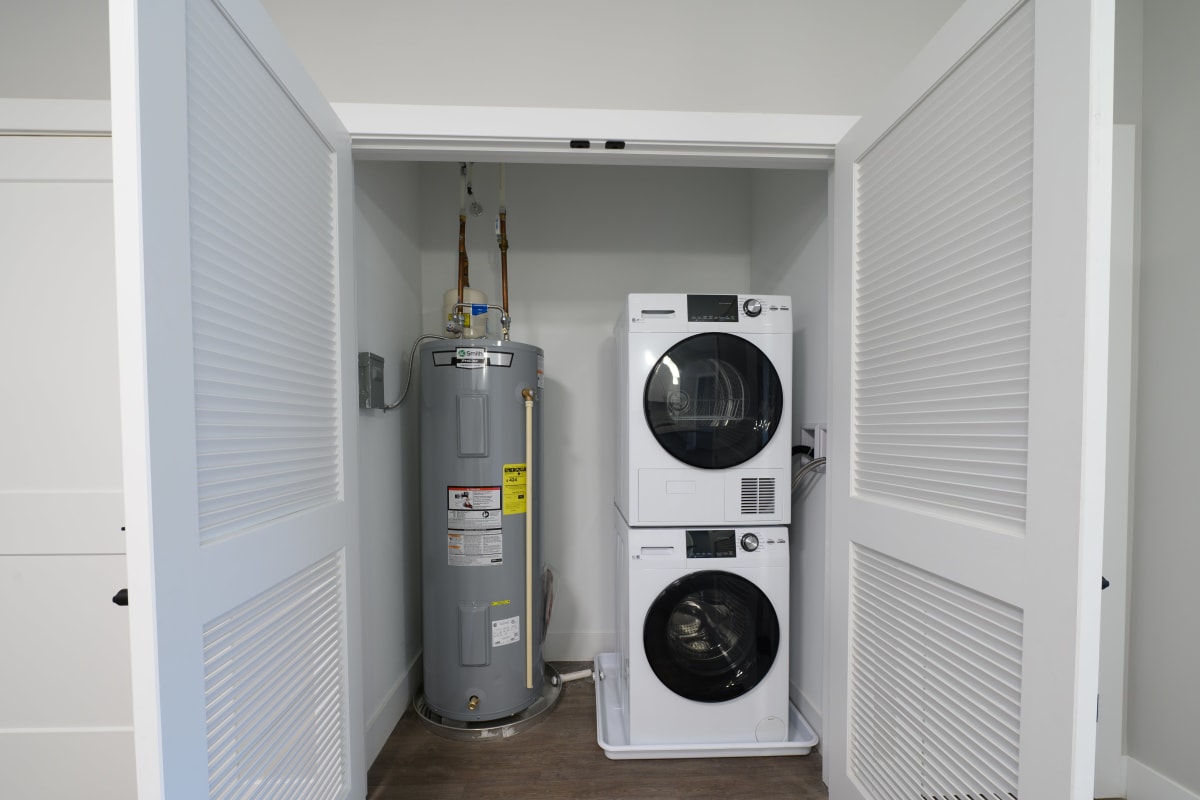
567,677
528,395
476,208
502,239
462,231
798,475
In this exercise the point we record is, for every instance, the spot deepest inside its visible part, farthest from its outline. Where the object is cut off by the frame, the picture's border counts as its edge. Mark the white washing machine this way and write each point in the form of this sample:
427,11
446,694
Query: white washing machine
704,409
702,634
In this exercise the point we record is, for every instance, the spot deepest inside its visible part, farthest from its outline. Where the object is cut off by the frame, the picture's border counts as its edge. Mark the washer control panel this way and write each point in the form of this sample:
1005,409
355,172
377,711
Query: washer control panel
730,543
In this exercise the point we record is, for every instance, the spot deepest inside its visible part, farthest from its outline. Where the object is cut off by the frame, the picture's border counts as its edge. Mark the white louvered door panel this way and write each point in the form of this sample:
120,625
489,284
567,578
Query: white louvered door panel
942,297
232,185
967,417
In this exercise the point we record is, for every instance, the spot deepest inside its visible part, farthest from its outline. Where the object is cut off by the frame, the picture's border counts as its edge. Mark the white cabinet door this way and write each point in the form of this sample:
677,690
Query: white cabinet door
969,357
66,726
232,181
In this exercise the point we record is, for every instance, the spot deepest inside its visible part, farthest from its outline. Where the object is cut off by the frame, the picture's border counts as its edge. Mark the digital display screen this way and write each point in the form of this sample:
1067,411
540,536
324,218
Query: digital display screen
711,544
712,308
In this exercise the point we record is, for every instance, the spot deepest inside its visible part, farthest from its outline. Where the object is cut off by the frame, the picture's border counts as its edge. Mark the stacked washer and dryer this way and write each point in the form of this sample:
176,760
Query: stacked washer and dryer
703,502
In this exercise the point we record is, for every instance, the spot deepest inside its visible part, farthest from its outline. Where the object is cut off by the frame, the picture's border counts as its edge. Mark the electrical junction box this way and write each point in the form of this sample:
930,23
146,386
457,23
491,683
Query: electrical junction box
370,381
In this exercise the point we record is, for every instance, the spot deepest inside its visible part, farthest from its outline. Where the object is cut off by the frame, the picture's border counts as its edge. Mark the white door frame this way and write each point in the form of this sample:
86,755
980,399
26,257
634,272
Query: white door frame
1111,761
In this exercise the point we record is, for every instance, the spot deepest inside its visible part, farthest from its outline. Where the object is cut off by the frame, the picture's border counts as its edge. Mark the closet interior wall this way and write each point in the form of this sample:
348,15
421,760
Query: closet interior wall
581,238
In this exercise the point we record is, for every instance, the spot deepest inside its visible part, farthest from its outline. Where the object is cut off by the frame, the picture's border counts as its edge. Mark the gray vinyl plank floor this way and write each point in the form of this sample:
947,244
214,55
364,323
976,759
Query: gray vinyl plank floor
559,759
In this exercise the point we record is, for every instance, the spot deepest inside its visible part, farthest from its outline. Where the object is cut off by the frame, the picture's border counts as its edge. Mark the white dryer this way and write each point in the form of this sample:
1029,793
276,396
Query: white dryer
702,634
704,409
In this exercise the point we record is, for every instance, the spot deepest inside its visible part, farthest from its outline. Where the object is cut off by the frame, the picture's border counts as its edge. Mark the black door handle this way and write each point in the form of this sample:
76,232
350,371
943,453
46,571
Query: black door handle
121,598
1103,583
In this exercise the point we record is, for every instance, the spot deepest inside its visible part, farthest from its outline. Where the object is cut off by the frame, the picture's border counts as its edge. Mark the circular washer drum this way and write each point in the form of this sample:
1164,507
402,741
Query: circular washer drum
711,636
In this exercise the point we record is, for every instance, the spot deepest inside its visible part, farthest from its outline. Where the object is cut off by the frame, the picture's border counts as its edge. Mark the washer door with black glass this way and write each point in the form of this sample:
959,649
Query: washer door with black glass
711,636
713,401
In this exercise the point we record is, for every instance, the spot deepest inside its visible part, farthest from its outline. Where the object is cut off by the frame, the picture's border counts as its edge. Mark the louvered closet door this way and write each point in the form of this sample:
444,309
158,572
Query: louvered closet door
967,422
232,182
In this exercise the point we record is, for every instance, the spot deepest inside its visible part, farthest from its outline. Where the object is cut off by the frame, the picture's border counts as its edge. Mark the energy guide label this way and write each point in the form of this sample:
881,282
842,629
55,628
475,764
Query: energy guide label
515,488
473,526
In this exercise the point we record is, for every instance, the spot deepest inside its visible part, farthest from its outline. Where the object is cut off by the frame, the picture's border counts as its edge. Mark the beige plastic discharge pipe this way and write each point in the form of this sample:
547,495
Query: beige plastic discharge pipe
528,395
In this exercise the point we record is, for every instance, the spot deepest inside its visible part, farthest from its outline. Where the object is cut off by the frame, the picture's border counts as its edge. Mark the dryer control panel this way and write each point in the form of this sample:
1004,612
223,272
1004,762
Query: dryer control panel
712,307
731,307
691,313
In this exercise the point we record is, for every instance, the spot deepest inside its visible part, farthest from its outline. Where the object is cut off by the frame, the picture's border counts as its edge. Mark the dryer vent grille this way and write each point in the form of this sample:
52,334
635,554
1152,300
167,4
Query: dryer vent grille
758,495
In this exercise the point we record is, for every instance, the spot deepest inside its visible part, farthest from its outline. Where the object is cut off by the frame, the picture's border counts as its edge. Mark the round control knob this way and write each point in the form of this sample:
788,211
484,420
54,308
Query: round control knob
752,308
749,542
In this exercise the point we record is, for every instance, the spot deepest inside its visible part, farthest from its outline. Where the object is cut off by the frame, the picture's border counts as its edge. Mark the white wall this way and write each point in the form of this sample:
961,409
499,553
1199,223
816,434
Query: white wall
803,56
581,238
389,318
54,48
693,55
1164,648
790,255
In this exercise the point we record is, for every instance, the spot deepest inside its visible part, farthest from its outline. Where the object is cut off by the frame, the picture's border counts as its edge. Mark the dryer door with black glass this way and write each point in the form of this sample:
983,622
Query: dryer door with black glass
713,401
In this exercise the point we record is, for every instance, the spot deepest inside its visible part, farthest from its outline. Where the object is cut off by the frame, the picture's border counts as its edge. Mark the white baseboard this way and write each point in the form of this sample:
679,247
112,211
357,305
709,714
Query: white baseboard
1146,784
382,721
811,713
578,645
1112,775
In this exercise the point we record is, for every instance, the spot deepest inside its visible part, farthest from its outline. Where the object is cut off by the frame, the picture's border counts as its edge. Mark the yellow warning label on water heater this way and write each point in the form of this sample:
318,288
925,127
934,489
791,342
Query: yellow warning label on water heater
514,488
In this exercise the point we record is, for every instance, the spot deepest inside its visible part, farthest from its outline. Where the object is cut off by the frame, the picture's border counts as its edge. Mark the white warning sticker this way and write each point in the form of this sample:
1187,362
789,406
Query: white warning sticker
474,521
474,549
472,498
506,631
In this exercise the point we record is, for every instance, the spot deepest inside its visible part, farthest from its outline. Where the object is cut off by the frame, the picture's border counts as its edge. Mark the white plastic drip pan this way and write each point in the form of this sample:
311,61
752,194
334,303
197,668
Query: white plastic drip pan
610,729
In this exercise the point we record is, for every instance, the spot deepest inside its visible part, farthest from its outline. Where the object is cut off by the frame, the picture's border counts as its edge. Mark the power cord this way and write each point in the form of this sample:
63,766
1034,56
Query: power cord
408,381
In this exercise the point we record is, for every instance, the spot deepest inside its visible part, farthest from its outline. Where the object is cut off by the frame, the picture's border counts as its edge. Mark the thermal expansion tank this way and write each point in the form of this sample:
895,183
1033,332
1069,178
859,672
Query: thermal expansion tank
483,644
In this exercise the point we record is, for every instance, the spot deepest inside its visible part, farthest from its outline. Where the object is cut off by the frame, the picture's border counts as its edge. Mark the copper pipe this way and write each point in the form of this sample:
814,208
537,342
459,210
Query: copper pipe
462,249
504,259
462,231
462,255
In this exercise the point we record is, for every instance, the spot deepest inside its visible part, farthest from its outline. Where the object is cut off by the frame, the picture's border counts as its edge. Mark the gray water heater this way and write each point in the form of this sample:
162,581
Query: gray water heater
484,611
